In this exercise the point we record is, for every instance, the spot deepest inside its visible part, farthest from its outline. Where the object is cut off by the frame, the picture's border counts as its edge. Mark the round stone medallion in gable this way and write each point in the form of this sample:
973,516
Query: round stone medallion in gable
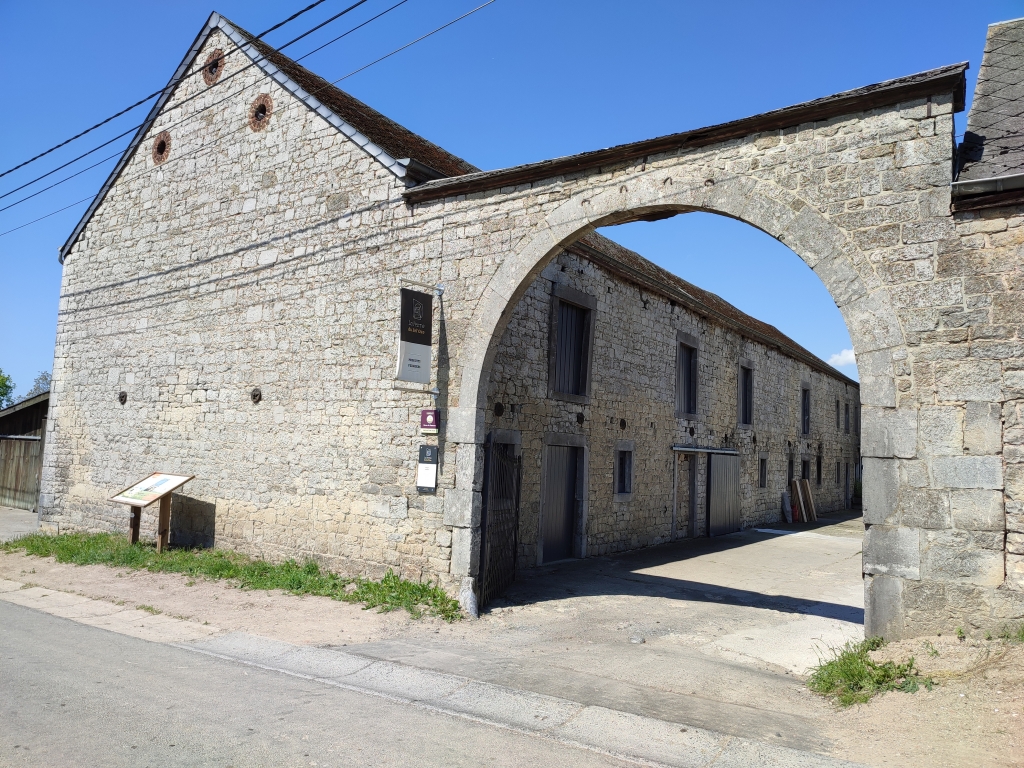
161,147
213,68
260,111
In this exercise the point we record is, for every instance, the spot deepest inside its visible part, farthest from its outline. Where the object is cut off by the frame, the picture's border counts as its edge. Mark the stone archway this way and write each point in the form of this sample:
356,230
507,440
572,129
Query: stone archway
860,191
785,216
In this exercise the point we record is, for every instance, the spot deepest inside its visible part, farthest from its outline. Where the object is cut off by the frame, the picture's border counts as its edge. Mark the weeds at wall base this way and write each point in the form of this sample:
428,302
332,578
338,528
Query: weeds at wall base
390,593
851,677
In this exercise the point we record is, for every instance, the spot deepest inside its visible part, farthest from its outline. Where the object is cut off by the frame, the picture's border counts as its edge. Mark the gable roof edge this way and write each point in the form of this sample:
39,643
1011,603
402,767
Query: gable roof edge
216,21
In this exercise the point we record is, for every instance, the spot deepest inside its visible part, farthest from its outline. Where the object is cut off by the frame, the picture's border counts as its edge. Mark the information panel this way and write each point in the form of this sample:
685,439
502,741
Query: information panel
149,490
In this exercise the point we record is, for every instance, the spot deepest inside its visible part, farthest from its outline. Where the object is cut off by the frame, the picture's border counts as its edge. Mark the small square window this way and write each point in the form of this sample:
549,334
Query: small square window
623,472
762,473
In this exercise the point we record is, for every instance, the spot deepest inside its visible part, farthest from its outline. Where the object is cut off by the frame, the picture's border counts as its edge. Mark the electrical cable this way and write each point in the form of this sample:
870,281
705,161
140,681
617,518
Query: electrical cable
293,105
170,86
147,98
190,98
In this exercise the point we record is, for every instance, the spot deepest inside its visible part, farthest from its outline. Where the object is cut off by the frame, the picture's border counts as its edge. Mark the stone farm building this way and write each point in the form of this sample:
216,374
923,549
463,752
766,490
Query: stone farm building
230,309
248,241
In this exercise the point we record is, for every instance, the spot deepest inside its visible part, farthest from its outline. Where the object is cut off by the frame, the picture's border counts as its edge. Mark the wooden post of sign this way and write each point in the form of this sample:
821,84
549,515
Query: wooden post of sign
133,525
163,528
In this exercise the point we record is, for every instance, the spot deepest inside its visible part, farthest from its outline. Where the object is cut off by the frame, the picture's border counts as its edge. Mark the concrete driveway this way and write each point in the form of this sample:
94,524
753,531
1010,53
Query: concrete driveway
710,632
16,522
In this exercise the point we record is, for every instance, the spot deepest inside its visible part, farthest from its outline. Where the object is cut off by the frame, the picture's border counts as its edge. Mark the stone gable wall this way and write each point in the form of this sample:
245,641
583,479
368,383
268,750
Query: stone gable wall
246,259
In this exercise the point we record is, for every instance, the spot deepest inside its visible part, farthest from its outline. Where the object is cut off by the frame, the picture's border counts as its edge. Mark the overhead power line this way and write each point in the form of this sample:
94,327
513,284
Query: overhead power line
190,98
185,101
142,101
294,105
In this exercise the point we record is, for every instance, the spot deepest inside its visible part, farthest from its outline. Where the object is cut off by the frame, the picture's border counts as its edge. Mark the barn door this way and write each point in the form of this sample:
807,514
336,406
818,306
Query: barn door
558,516
723,494
500,523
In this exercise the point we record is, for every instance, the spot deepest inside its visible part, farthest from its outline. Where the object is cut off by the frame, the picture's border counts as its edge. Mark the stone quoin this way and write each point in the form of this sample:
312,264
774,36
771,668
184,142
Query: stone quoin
265,249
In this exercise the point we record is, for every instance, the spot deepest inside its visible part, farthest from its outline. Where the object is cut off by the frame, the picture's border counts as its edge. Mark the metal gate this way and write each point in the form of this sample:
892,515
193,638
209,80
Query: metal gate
500,521
723,494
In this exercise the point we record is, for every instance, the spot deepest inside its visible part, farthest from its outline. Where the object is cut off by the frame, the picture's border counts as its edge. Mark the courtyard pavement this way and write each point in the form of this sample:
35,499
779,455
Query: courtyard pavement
16,522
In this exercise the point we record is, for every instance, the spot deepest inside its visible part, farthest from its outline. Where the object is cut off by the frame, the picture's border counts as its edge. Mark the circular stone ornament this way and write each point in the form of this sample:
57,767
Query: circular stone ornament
161,147
214,67
260,111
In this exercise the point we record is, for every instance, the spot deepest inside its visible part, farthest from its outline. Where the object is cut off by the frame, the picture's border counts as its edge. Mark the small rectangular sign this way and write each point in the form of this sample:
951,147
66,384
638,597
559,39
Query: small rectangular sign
151,489
430,420
426,470
415,336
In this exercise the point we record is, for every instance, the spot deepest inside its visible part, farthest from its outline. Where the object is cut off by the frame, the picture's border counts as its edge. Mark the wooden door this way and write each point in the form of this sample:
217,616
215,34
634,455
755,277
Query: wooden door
558,515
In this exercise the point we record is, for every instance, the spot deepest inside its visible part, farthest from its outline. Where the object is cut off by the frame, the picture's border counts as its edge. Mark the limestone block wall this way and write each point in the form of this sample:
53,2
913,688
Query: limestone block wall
633,380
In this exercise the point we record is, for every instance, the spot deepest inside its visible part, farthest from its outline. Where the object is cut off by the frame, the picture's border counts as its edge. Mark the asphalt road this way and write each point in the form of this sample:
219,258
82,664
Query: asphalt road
73,695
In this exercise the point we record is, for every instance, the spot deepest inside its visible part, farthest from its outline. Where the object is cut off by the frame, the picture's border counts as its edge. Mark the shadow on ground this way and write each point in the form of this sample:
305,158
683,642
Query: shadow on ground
624,575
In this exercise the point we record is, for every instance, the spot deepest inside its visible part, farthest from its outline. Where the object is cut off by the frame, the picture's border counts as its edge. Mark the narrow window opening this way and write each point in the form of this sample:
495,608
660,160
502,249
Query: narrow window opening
805,469
838,472
846,419
805,411
837,414
789,472
624,472
686,381
746,395
762,473
817,473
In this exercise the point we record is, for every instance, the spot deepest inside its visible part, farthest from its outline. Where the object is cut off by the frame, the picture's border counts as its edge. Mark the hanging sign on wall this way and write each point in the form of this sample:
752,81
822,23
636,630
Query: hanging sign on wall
415,337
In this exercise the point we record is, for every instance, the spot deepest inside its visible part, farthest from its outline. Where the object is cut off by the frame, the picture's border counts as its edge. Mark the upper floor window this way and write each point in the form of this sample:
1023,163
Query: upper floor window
837,413
846,419
805,410
687,363
571,343
746,395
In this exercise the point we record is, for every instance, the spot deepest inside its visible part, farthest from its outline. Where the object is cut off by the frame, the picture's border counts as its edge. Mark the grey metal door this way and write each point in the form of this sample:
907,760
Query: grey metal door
559,512
723,494
500,521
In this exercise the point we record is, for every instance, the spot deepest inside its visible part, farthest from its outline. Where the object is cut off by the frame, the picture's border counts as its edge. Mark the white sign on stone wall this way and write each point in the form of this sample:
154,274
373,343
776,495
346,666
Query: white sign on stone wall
415,337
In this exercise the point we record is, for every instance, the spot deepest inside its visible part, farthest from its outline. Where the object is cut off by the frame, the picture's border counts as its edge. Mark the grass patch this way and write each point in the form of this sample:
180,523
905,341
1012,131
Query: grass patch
851,677
149,609
390,593
1013,634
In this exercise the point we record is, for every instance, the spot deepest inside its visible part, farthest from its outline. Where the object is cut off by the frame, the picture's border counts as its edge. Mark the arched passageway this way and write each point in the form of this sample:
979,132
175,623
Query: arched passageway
855,188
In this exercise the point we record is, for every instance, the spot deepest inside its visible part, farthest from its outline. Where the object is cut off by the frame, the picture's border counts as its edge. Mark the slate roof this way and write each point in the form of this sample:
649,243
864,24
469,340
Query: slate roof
635,268
396,140
993,143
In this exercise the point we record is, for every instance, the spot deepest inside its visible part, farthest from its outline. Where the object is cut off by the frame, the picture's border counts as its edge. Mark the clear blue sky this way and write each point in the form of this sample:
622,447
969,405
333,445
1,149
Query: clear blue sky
522,80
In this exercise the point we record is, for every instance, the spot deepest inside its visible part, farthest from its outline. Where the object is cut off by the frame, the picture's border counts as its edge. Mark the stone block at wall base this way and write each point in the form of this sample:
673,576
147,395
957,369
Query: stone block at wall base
883,604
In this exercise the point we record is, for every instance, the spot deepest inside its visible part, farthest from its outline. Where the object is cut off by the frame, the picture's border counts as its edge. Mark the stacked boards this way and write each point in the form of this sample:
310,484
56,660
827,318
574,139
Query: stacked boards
803,502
